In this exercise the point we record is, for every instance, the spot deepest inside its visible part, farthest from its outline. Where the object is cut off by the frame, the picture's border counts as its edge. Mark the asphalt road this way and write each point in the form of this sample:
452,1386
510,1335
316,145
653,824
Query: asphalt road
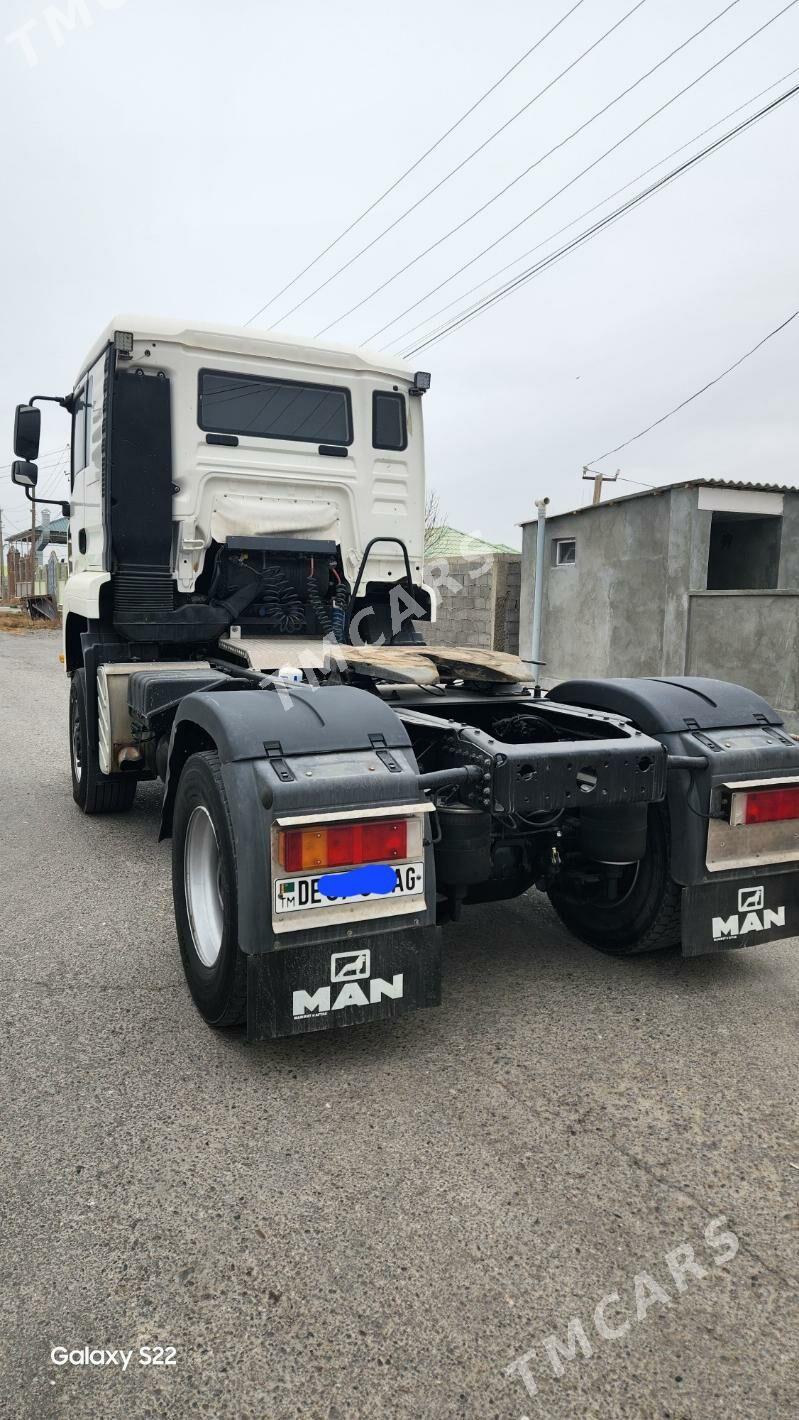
374,1223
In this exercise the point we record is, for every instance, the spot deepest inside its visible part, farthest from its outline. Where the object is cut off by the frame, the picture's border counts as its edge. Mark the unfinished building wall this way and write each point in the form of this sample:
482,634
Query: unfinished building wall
478,601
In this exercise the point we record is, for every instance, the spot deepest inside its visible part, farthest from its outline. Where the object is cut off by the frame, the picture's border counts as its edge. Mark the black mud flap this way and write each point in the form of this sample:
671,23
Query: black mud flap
736,912
295,990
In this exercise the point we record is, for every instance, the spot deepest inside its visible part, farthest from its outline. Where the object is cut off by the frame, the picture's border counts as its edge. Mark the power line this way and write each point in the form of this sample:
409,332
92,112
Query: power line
52,454
596,161
573,223
51,490
542,158
590,232
583,237
698,392
54,471
468,112
462,164
58,472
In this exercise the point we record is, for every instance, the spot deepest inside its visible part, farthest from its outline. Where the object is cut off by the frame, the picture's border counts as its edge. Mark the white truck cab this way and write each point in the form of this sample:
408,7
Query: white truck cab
244,433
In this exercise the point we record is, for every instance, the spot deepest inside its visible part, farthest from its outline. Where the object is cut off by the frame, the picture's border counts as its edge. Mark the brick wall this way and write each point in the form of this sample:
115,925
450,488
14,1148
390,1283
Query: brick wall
478,601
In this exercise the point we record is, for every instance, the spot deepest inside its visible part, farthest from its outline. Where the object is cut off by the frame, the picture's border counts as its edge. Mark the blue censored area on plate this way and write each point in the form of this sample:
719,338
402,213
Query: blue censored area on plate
370,882
371,878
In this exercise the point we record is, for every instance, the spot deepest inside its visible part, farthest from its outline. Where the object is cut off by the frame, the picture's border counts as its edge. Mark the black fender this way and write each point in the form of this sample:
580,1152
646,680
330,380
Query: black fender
277,722
669,705
695,718
292,749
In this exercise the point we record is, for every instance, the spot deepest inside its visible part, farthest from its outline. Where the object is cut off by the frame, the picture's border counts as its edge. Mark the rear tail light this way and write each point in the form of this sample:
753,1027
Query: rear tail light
342,845
769,805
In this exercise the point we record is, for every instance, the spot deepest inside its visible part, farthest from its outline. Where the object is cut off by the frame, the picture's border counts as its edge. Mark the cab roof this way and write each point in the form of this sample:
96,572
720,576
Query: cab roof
242,340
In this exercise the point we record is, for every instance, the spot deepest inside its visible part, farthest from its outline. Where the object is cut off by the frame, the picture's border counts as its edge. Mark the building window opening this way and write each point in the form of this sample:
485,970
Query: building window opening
744,553
564,552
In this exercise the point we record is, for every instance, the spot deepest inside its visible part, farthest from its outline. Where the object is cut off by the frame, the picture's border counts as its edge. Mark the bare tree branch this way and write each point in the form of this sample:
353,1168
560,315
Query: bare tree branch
435,523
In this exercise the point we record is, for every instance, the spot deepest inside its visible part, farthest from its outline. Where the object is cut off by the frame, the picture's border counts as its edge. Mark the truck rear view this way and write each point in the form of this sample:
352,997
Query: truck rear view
247,621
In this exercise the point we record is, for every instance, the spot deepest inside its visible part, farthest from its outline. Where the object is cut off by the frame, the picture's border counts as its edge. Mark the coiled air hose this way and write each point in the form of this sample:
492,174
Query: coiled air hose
334,621
284,608
317,603
341,600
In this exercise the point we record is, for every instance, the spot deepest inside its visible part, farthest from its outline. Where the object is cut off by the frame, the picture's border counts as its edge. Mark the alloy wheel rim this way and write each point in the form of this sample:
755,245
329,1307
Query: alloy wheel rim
202,872
75,741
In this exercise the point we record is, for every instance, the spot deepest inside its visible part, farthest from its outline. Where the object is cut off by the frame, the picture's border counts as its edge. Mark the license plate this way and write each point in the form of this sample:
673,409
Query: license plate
301,892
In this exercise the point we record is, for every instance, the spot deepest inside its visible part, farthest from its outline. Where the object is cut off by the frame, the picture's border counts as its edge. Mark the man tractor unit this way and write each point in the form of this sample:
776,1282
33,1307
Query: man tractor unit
246,619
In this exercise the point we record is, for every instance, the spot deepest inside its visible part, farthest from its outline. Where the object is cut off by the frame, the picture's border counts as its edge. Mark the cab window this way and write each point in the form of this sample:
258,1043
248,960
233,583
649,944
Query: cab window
81,427
389,422
274,409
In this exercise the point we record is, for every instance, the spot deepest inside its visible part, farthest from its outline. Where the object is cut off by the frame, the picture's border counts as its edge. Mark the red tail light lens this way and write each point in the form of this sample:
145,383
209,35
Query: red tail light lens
289,851
383,840
342,843
770,805
304,849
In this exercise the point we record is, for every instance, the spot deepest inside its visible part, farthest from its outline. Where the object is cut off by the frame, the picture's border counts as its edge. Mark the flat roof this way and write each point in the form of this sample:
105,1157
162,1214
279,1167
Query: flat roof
667,488
243,340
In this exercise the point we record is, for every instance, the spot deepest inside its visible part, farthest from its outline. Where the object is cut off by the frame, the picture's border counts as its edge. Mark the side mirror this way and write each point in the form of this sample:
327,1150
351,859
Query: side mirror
24,473
27,431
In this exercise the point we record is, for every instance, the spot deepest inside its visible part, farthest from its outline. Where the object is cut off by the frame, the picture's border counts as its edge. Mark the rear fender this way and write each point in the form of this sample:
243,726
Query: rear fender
730,732
307,751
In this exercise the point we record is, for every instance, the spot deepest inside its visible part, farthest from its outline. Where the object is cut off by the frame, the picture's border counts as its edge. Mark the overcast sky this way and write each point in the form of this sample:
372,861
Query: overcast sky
187,159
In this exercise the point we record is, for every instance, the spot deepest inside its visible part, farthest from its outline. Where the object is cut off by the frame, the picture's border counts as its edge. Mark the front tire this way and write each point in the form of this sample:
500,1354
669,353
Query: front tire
647,915
93,791
204,889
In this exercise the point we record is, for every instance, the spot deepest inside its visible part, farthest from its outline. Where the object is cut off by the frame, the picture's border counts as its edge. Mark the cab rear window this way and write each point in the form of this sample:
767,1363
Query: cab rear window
274,409
389,422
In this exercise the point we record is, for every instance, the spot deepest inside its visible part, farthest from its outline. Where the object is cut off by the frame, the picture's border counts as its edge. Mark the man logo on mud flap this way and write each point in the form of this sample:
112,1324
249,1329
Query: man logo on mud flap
752,916
348,970
350,966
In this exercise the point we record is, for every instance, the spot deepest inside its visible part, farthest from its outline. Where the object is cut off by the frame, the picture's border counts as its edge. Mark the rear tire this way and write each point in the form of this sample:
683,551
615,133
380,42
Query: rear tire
93,791
204,889
648,916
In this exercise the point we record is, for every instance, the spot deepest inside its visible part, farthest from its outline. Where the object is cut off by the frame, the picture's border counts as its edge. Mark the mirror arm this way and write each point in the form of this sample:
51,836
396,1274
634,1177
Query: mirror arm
65,400
57,502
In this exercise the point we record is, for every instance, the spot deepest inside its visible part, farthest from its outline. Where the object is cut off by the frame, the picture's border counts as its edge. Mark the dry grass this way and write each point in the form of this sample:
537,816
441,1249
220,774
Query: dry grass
18,622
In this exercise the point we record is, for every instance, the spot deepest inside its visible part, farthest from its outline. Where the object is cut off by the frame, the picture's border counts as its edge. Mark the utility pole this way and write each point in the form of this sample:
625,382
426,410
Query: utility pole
32,590
598,480
538,590
2,563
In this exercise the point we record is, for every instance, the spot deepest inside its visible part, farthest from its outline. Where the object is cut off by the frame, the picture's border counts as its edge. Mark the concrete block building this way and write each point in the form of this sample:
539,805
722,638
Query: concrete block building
477,590
695,578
